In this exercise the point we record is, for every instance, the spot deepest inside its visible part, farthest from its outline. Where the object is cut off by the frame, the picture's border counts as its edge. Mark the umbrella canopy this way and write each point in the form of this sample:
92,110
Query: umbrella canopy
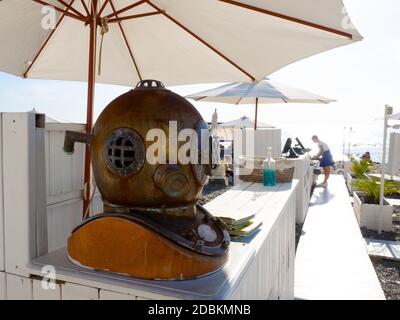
244,122
226,130
264,91
395,116
176,41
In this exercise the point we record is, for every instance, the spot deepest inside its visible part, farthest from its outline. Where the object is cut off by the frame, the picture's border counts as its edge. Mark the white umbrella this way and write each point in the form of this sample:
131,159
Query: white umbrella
395,116
176,41
264,91
244,122
226,130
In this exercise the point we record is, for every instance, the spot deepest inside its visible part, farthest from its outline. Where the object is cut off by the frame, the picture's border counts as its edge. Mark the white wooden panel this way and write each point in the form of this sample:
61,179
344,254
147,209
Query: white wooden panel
39,293
263,268
394,154
303,173
47,161
367,215
77,162
2,254
60,166
270,275
19,166
97,205
64,171
64,185
40,198
18,288
71,291
265,138
3,286
62,218
111,295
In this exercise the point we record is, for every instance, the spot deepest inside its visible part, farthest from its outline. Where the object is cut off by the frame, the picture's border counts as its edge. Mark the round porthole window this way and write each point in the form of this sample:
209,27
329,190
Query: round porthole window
124,152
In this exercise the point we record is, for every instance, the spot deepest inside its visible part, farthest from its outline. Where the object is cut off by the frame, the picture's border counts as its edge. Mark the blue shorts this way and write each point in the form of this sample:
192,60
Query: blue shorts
326,160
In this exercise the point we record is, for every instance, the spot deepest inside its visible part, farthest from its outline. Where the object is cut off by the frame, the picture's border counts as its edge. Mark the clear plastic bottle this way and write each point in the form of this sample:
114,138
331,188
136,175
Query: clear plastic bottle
269,170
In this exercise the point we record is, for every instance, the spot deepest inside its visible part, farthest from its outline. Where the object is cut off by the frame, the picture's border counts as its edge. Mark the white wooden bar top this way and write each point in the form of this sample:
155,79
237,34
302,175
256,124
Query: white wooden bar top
332,262
268,203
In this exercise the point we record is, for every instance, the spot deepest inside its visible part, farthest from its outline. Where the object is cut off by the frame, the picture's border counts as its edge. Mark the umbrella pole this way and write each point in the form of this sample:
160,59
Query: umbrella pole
255,120
90,104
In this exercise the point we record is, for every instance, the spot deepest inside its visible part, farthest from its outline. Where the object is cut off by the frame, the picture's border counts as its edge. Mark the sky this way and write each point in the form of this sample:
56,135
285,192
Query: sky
362,77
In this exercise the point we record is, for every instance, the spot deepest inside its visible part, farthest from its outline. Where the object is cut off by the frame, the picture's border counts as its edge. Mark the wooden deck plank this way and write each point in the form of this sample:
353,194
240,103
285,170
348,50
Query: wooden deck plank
332,261
384,249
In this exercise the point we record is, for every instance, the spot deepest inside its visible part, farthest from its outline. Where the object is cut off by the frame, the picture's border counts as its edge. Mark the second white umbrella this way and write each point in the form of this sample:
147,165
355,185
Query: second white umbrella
264,91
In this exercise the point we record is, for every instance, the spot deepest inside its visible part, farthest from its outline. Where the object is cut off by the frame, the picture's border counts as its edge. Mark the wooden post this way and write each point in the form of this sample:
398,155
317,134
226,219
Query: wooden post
255,120
90,102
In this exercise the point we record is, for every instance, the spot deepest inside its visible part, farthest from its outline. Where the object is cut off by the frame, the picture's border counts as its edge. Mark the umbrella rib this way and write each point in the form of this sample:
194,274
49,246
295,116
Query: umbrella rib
72,9
165,14
127,43
240,99
103,7
135,16
85,7
63,11
289,18
25,75
133,5
200,98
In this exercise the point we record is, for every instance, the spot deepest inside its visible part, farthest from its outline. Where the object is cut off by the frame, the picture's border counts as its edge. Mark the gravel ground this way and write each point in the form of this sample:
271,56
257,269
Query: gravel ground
299,228
338,168
389,236
388,271
389,276
212,190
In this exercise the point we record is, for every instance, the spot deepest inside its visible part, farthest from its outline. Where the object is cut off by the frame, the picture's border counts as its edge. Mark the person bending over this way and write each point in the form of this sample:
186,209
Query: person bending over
325,159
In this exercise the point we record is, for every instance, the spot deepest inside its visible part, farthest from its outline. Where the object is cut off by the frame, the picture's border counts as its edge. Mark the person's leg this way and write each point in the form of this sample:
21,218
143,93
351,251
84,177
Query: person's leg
327,172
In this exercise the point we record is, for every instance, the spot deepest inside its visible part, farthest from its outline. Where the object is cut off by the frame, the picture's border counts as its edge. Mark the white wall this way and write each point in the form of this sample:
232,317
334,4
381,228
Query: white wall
2,253
40,189
64,176
20,188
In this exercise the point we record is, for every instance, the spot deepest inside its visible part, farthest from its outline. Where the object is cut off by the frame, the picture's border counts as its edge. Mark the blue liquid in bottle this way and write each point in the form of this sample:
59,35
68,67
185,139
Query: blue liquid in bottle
269,170
269,177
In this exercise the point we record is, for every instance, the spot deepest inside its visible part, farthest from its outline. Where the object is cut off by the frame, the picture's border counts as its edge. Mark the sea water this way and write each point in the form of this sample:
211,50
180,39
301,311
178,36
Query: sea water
340,139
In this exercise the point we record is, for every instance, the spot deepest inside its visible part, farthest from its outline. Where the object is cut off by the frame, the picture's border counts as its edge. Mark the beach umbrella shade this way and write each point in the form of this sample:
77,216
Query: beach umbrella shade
245,122
176,41
258,92
227,129
395,116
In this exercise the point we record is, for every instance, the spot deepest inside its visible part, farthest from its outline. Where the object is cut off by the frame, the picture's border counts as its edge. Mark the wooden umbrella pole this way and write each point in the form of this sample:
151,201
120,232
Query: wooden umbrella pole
255,120
90,101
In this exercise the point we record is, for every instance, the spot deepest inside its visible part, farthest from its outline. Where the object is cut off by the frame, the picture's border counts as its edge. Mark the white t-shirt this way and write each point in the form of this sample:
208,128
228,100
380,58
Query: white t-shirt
323,145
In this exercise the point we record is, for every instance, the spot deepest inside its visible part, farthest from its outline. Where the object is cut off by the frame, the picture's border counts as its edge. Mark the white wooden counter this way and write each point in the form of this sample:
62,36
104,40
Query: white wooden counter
259,267
304,173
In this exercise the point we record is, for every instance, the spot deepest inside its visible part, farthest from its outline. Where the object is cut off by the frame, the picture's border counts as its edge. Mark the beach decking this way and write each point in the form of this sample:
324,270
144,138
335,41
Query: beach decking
332,262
